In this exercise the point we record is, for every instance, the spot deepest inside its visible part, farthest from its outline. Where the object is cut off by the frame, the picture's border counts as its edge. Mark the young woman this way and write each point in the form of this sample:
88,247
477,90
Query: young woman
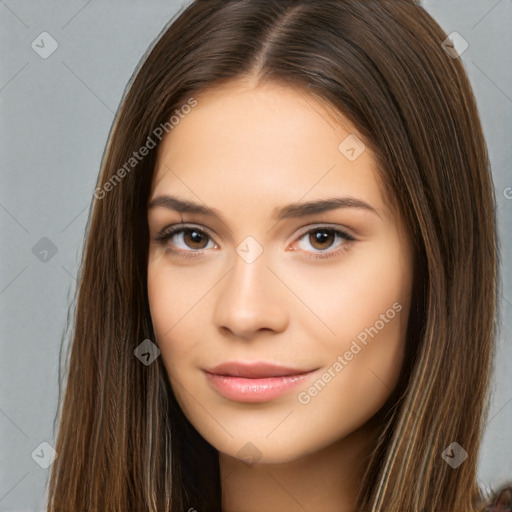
288,293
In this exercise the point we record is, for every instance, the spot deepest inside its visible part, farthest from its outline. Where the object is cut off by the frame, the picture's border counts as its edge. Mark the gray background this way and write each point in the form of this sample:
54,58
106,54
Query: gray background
55,117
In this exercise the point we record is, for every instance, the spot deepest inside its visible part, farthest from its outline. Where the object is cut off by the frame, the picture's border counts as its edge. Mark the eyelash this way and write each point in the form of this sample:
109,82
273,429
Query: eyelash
168,232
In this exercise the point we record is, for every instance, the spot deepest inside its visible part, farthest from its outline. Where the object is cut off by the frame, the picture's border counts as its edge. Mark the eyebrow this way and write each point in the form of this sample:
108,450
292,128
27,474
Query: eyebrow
292,210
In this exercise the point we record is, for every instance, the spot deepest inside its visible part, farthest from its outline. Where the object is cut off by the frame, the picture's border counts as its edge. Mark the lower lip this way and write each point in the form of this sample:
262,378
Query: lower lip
240,389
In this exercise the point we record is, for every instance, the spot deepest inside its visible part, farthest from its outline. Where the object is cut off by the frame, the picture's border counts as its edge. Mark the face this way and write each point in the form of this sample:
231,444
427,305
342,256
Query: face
282,328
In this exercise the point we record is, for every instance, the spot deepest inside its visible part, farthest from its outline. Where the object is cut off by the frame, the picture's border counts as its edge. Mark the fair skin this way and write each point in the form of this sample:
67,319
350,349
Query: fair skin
244,151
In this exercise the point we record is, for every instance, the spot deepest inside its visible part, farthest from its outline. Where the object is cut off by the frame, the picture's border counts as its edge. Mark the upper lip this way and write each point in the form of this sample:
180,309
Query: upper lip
254,370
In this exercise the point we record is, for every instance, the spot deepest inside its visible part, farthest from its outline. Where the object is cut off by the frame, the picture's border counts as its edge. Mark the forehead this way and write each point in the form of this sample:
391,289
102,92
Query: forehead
267,139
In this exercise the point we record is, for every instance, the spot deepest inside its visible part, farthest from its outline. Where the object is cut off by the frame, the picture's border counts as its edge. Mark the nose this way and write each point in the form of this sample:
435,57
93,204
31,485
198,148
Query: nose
251,299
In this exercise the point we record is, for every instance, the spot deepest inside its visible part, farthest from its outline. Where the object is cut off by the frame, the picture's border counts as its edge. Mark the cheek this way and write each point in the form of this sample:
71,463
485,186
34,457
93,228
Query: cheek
177,306
177,314
162,301
354,386
171,293
361,291
366,310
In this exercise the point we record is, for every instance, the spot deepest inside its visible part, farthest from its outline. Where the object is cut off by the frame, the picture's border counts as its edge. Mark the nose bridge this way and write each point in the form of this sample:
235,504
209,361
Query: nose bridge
249,276
248,283
250,298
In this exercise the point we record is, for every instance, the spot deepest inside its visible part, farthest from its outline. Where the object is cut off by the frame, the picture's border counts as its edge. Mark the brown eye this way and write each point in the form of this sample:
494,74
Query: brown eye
185,241
195,239
324,242
322,238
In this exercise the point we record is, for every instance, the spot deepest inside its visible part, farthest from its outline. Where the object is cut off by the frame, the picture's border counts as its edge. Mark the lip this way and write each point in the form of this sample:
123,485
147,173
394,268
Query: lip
254,381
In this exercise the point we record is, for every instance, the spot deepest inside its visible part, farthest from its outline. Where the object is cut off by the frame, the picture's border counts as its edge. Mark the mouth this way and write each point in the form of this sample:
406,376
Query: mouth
254,382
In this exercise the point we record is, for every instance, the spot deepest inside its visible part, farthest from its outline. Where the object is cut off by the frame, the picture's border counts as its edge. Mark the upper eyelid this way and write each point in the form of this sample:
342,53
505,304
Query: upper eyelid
182,226
327,225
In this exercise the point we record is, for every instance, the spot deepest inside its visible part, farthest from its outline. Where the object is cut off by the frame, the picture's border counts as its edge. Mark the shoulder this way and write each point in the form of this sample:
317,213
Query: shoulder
500,500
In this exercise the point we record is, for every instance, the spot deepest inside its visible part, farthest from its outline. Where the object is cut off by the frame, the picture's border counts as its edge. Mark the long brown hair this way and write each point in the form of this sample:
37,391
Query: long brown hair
123,443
